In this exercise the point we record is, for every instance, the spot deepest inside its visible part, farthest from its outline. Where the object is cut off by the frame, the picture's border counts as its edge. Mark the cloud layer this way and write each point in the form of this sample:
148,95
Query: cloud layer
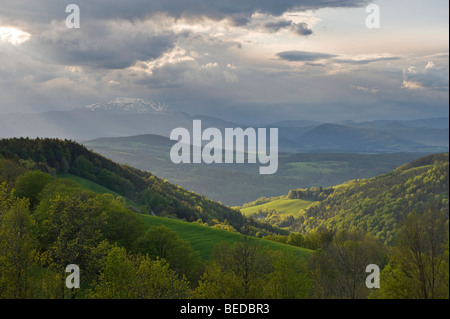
248,59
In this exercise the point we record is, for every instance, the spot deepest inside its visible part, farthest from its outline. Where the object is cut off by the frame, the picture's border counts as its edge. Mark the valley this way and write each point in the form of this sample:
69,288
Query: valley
236,184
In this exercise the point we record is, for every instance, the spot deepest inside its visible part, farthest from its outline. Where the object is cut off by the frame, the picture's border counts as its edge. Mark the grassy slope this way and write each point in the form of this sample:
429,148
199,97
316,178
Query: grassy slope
284,206
86,184
202,238
99,189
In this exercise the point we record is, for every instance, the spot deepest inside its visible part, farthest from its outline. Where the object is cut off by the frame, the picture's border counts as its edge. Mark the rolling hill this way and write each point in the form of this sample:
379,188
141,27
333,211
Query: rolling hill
152,194
354,139
379,204
333,136
202,238
376,205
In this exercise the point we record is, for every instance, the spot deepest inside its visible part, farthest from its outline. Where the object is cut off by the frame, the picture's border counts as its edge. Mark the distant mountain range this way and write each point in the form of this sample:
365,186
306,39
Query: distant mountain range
123,105
133,116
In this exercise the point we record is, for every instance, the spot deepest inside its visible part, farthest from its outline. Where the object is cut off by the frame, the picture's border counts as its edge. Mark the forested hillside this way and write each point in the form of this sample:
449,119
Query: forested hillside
48,222
376,206
379,204
152,194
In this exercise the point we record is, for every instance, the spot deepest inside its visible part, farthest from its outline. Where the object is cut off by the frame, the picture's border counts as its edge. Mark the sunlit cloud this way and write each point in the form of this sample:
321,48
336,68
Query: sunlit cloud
177,55
210,65
13,35
430,77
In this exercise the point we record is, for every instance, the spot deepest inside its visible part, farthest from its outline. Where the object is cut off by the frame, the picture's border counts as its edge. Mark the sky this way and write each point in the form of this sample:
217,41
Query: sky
255,61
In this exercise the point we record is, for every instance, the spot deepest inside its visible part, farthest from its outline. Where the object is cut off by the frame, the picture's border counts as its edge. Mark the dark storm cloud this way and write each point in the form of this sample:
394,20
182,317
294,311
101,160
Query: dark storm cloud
109,46
303,56
239,11
277,26
101,42
298,28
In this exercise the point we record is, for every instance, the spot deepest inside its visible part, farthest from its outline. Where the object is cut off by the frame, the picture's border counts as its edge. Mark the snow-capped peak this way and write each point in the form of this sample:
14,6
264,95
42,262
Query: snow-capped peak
127,105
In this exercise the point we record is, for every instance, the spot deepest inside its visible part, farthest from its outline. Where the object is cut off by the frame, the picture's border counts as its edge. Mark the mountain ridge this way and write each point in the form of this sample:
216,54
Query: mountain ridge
135,116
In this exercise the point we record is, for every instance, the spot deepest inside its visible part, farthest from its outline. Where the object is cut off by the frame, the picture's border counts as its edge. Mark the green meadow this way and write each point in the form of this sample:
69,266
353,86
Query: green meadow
88,185
284,206
204,238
